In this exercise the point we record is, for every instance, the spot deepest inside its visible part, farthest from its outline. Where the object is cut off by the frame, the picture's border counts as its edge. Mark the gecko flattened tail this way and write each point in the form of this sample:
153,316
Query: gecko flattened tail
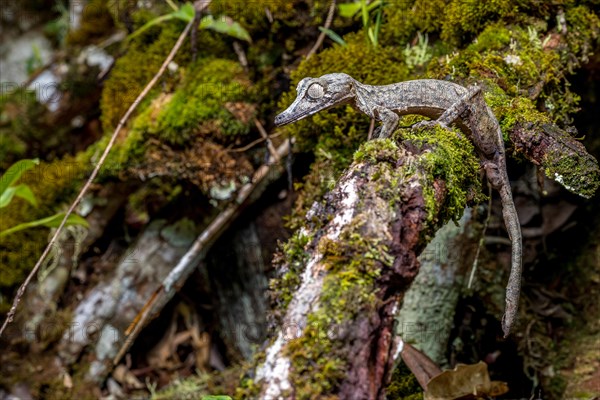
513,289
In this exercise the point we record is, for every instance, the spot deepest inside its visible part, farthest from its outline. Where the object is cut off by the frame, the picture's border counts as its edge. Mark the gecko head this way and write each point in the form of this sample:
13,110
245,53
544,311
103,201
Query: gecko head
317,94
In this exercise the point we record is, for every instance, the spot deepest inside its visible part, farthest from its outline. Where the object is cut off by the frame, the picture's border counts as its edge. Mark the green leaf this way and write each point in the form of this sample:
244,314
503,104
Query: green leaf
185,13
15,171
150,24
375,4
365,12
225,25
23,191
49,222
348,10
217,397
7,196
372,36
333,36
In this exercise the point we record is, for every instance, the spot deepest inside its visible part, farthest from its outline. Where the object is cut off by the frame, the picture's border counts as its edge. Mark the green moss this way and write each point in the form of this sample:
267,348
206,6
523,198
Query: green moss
96,23
576,173
251,15
403,385
146,52
21,121
583,32
376,150
53,184
449,156
293,257
462,19
208,87
353,262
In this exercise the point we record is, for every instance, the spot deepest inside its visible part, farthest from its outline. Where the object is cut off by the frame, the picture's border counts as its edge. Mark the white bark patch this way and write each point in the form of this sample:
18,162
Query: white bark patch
275,371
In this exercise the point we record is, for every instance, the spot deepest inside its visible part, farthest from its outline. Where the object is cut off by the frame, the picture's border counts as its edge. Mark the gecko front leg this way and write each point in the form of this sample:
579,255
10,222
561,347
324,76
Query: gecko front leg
389,121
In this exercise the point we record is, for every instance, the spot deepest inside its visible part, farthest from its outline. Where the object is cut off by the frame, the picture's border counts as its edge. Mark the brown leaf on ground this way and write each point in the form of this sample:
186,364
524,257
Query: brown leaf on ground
464,382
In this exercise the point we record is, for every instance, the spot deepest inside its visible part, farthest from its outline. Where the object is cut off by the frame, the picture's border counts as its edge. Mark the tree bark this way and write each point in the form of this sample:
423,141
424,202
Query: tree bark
336,337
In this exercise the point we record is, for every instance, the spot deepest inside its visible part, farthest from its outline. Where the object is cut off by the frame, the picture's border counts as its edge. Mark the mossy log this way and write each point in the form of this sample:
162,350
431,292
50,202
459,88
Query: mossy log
336,336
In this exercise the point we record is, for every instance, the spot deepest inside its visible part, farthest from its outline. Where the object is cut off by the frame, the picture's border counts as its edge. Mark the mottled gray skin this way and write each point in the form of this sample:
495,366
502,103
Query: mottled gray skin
446,102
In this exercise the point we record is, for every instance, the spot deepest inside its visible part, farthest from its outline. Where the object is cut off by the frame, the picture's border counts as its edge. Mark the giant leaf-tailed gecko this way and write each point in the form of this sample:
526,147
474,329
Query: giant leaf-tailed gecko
445,101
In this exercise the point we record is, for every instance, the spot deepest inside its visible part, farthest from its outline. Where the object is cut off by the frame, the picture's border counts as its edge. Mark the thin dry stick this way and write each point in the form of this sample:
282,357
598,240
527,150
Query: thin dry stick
265,136
255,142
371,129
321,37
11,314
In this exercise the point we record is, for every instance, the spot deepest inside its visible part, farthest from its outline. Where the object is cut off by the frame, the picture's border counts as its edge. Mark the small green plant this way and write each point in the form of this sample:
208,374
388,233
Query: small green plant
218,397
186,13
419,54
364,8
333,36
8,191
34,61
59,27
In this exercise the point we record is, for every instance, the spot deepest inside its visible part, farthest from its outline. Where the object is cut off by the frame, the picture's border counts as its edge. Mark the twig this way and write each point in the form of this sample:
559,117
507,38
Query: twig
265,136
254,143
11,314
321,37
371,129
196,252
239,51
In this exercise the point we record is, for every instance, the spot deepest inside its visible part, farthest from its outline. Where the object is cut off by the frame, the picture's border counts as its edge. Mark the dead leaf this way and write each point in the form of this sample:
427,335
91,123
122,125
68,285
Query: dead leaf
464,382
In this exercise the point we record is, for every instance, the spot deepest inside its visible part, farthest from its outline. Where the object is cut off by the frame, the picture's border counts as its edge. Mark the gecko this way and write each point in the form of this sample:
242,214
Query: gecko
445,103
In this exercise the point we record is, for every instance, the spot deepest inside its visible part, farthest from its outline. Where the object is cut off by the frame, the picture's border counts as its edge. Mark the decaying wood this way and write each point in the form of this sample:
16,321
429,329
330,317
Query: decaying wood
364,341
237,274
40,301
563,157
177,276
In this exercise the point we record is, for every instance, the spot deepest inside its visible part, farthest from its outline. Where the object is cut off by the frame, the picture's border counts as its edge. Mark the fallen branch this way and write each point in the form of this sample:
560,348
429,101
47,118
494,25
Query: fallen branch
264,175
336,335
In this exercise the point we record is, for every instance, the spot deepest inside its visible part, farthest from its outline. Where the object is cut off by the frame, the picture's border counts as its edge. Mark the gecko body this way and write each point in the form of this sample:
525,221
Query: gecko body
446,103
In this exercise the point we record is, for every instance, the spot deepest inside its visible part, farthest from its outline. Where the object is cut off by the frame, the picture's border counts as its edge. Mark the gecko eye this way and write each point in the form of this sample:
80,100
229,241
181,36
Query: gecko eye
316,91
